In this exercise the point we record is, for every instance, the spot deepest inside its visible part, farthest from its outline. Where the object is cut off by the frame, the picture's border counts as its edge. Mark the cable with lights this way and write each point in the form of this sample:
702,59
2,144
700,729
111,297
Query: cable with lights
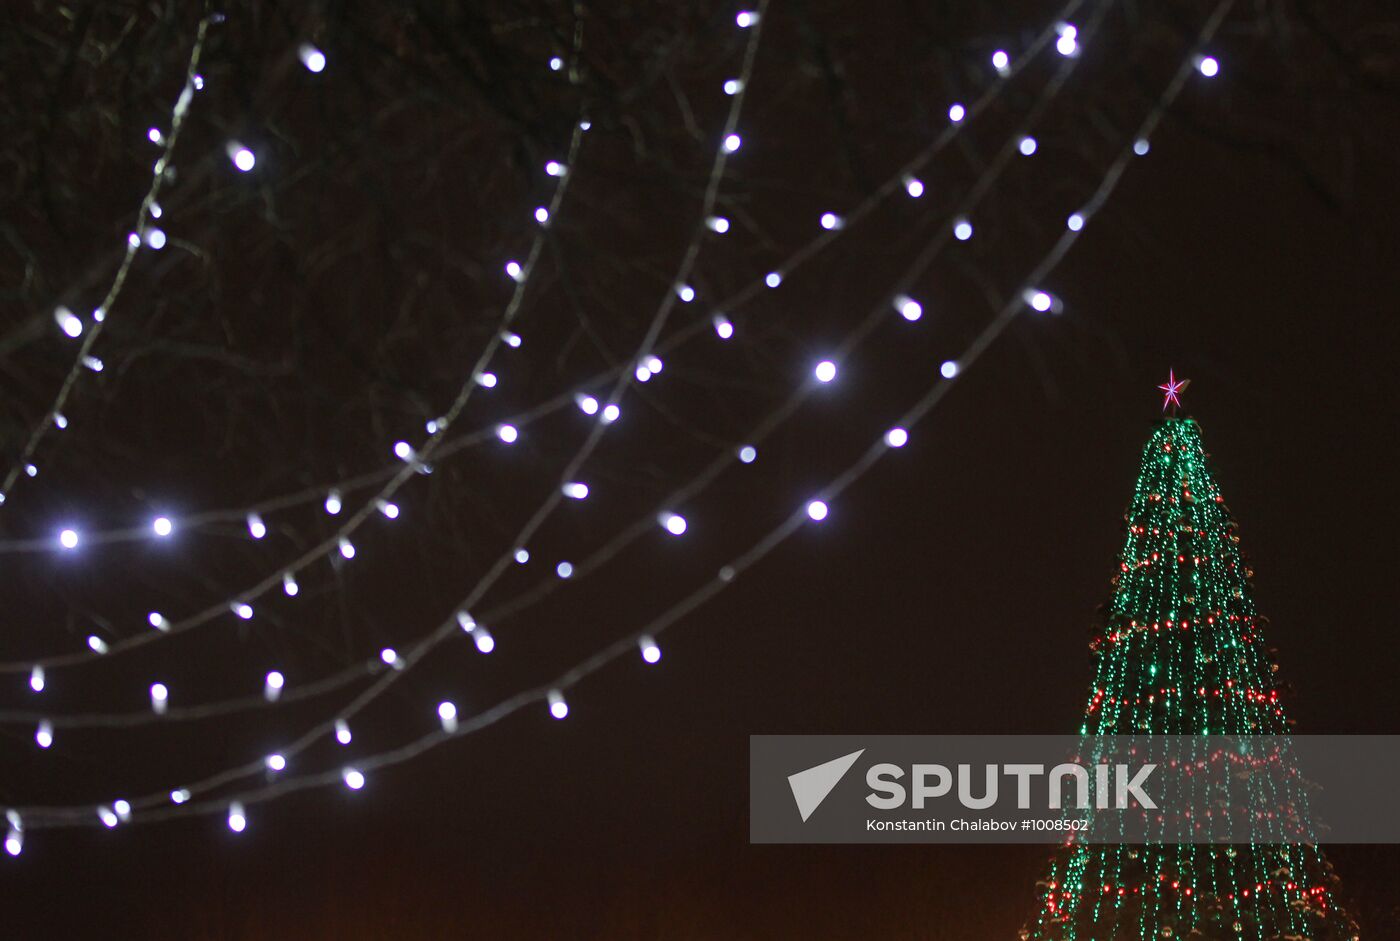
144,234
815,510
672,522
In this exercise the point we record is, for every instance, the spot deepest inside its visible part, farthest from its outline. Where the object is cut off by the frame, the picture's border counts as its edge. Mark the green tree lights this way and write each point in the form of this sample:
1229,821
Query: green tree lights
1181,653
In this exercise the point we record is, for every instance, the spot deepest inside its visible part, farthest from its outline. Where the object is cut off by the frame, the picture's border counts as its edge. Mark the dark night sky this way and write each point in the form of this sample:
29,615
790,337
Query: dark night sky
950,592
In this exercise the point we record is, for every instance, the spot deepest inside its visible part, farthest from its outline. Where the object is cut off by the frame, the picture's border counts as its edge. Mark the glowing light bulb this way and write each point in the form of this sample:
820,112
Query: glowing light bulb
650,652
956,113
557,706
773,279
643,374
962,230
311,57
654,363
541,215
342,732
896,437
1075,222
817,510
242,157
1001,61
158,621
43,736
390,656
36,679
723,328
1027,146
14,841
347,548
913,186
68,539
256,527
403,450
273,685
825,371
162,526
60,421
275,762
732,142
1208,66
353,778
564,569
514,271
133,240
1068,43
733,86
910,309
522,556
390,510
1141,146
575,490
96,644
155,238
237,819
447,713
122,809
289,584
93,363
673,523
155,136
1040,301
949,369
686,293
507,433
555,64
160,698
831,221
243,610
748,454
746,18
31,470
487,380
555,168
485,643
610,414
333,502
718,224
68,322
108,817
587,404
179,795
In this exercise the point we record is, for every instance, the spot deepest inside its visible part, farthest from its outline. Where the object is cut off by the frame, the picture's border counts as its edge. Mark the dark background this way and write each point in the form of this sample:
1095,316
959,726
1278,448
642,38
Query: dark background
326,305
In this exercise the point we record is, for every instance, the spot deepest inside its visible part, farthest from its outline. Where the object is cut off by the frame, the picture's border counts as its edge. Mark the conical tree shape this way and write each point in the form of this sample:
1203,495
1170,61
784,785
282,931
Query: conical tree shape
1181,653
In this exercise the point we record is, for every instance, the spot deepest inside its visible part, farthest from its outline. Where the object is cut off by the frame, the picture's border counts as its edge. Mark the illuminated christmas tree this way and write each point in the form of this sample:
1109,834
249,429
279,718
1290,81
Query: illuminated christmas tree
1181,652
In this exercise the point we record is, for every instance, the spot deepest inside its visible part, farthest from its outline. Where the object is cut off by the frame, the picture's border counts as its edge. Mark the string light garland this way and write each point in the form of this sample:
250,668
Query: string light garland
149,209
565,569
554,694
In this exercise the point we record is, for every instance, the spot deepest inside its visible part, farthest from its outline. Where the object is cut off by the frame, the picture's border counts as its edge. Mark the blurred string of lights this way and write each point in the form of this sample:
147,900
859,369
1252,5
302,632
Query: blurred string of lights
1067,44
672,522
814,510
145,234
832,225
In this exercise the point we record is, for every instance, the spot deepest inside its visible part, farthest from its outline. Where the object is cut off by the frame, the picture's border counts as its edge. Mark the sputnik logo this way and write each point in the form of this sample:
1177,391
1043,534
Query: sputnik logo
810,787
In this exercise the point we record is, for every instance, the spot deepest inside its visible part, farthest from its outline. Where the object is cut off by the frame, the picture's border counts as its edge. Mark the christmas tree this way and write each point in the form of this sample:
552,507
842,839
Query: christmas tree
1181,652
